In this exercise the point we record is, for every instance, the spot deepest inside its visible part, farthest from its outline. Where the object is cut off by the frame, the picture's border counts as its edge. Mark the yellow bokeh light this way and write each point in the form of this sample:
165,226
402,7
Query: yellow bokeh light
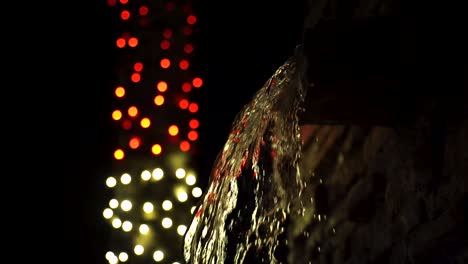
125,178
113,203
144,229
190,179
139,250
145,122
158,174
159,100
148,207
173,130
156,149
123,256
132,111
116,115
166,222
111,182
107,213
180,173
119,154
126,205
167,205
146,175
116,223
182,196
158,255
127,226
120,91
197,192
181,230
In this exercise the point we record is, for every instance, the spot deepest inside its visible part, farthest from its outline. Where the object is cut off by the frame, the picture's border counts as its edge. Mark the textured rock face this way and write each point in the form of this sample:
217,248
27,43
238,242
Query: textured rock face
383,195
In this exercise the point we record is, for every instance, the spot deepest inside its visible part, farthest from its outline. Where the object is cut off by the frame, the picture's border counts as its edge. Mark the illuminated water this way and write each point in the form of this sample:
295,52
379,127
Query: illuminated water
254,180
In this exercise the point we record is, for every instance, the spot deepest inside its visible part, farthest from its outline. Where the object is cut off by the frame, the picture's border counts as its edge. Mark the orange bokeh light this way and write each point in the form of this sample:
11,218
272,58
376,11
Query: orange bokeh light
134,142
136,77
132,111
145,122
165,63
120,91
193,124
119,154
120,42
192,135
159,100
183,64
156,149
162,86
125,15
116,115
197,82
193,107
123,1
184,145
132,42
173,130
138,66
183,104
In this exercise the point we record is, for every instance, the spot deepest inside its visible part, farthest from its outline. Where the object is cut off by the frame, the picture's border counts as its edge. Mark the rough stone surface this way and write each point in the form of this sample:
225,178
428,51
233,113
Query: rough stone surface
383,195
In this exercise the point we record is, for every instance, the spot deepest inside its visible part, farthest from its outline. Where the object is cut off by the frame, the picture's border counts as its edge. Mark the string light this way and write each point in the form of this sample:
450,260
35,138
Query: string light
151,200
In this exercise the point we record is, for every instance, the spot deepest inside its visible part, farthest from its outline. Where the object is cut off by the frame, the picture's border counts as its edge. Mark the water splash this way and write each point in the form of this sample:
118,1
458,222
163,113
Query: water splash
254,180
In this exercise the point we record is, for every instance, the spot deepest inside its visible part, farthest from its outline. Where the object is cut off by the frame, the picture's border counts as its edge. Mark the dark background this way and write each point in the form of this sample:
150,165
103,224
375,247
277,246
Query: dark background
240,44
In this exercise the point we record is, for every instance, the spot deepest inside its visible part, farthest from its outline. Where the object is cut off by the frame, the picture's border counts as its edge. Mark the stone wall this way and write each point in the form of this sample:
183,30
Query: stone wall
383,195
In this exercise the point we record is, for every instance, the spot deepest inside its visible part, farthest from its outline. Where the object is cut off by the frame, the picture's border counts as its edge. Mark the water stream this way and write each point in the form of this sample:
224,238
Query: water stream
254,180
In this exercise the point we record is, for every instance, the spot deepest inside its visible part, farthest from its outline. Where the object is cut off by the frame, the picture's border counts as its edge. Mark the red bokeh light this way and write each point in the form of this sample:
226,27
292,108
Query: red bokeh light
136,77
191,19
120,42
197,82
125,15
165,44
183,64
167,33
194,124
170,6
188,48
127,124
192,135
193,107
186,87
187,31
138,66
143,10
183,104
132,42
184,146
165,63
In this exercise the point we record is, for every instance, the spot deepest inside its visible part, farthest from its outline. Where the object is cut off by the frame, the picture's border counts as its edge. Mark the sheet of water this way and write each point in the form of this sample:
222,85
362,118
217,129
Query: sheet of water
254,180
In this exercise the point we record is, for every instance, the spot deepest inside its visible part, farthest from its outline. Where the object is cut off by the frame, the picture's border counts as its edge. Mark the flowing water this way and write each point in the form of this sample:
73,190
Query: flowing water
254,180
